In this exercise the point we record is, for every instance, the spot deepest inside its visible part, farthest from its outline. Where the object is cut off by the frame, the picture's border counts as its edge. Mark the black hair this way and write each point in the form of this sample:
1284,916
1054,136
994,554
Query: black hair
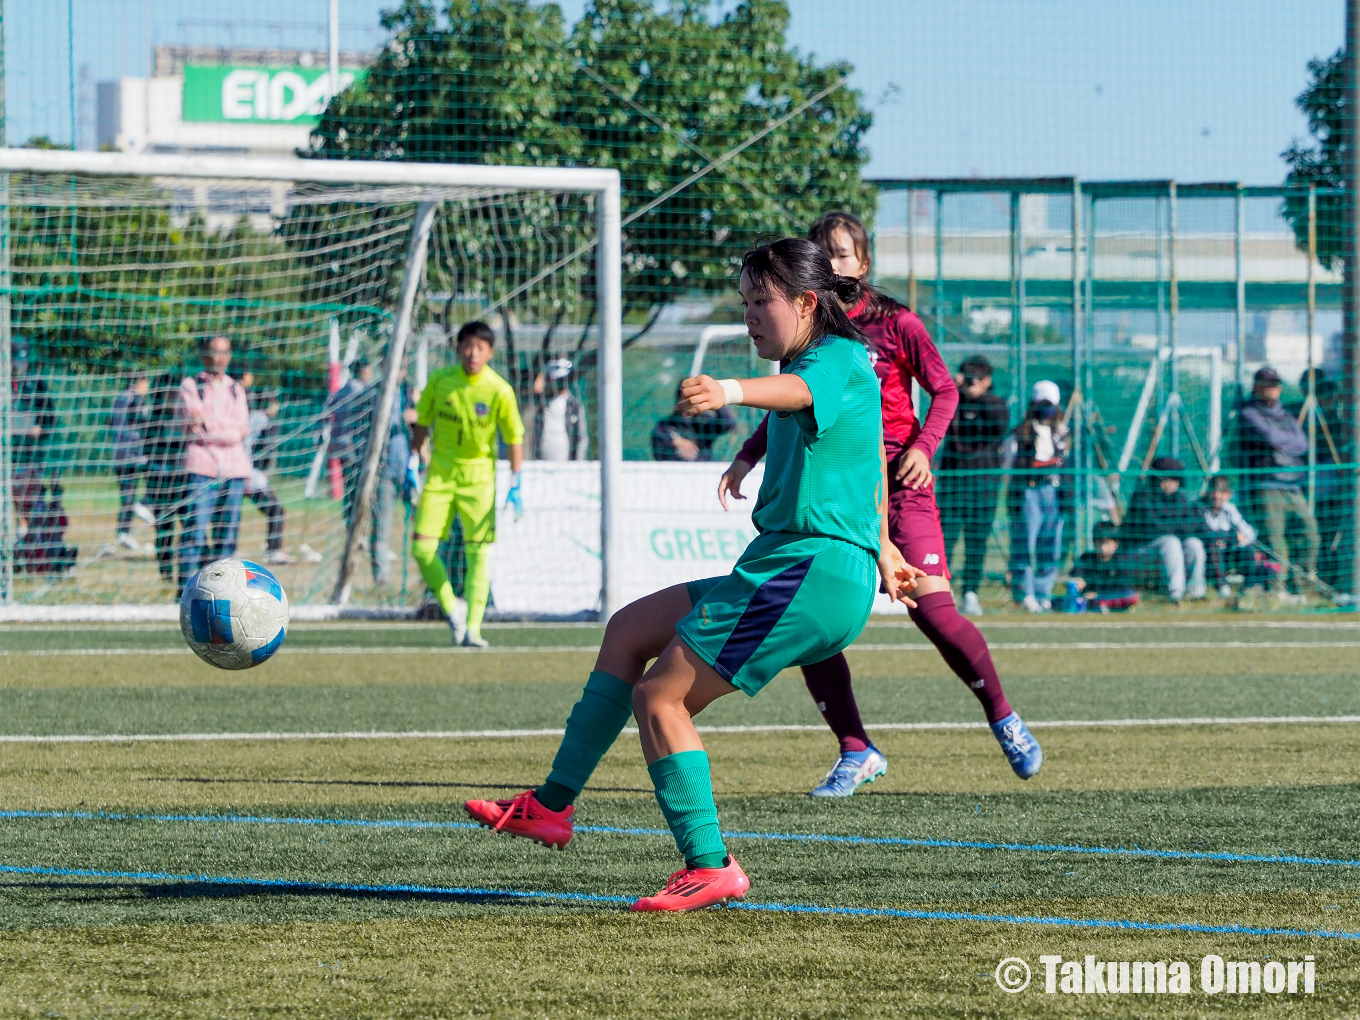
875,302
357,365
205,340
1104,530
1220,483
795,265
478,329
976,366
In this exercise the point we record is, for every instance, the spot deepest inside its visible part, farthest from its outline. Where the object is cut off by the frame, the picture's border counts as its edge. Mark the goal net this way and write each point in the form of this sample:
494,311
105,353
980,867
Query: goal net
337,285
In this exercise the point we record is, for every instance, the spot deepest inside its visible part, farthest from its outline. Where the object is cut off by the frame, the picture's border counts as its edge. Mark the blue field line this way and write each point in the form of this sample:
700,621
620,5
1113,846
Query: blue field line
781,837
303,885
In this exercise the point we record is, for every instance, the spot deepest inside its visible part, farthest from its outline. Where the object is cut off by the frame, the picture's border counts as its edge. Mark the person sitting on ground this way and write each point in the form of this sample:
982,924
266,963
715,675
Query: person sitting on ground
1229,540
1105,576
1163,520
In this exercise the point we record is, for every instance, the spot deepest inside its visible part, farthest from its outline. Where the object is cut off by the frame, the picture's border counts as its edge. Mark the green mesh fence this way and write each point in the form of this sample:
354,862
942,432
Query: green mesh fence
1151,305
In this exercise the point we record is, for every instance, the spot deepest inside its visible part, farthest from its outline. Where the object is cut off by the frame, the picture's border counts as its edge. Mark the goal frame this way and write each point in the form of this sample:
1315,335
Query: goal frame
603,183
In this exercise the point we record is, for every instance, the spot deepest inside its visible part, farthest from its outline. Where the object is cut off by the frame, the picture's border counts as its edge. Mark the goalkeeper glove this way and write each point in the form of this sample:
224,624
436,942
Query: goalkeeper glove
513,498
410,487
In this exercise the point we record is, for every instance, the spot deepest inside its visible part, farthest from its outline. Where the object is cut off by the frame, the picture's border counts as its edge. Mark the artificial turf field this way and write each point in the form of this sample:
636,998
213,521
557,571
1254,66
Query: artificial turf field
300,849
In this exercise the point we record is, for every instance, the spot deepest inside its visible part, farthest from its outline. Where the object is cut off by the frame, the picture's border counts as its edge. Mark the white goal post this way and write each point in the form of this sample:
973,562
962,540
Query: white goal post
424,185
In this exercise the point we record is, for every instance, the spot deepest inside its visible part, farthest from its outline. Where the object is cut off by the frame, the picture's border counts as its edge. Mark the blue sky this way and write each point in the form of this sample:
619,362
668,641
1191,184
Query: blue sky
1105,89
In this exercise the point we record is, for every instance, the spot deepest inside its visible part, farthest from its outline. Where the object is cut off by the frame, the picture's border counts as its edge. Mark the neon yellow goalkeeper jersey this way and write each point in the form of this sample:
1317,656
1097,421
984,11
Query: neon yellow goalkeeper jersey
463,414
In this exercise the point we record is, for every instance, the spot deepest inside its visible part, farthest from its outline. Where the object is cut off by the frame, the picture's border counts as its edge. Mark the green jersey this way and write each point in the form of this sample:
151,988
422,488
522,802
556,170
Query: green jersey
823,465
463,413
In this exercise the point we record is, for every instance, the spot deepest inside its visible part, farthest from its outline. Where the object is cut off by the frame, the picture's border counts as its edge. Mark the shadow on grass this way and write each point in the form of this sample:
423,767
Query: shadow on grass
379,782
133,891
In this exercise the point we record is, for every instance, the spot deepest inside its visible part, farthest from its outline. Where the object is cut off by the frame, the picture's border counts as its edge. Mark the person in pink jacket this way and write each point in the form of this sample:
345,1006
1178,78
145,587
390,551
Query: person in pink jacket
216,464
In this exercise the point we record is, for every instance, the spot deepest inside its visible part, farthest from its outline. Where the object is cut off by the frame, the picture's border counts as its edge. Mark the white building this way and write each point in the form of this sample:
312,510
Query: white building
216,100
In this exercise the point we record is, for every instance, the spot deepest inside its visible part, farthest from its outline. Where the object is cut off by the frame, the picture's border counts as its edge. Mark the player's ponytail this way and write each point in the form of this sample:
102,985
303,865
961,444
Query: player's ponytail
795,265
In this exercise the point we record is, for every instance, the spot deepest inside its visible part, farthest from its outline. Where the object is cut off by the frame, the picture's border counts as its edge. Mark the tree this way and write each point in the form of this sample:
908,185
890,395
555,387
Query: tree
655,94
1322,163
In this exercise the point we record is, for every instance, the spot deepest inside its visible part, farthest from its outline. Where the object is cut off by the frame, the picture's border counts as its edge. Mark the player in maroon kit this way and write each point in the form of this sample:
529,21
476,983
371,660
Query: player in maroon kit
901,351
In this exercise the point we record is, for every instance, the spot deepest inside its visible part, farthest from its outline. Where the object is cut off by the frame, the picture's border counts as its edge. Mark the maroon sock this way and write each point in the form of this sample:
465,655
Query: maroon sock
964,649
828,682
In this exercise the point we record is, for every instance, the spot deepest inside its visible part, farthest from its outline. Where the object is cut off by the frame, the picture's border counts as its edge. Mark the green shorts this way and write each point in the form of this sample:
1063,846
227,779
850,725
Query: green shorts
790,600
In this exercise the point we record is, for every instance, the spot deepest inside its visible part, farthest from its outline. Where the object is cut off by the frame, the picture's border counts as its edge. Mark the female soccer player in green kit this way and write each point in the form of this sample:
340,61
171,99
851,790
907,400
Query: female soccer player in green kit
801,591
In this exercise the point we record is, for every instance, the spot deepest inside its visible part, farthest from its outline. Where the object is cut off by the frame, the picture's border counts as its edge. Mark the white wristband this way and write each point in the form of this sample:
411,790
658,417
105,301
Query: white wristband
732,392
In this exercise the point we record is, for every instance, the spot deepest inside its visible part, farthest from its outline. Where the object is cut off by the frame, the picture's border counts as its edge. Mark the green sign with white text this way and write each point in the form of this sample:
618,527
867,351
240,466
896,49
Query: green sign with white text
215,93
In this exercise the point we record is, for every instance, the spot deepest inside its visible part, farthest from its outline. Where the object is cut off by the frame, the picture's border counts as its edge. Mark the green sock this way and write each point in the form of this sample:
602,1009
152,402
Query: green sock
425,552
594,724
685,792
477,583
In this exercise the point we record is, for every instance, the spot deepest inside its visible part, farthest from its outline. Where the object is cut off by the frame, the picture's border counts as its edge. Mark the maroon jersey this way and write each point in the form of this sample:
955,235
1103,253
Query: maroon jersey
900,350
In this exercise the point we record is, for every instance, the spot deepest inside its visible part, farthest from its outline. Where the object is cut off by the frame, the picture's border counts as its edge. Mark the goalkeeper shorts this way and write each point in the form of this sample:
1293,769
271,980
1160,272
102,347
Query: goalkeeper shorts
469,490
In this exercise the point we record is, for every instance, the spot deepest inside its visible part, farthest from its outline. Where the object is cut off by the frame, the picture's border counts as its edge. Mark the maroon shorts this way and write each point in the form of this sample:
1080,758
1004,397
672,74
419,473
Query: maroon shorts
914,527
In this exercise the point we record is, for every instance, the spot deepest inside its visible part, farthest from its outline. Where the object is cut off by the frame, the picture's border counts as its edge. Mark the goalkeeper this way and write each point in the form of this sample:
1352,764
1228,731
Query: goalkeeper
461,409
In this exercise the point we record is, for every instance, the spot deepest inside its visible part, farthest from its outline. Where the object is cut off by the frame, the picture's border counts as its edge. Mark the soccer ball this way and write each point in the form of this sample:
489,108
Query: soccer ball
233,614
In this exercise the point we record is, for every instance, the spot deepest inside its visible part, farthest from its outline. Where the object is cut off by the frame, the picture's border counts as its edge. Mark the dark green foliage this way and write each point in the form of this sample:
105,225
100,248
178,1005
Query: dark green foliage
656,94
1322,163
119,273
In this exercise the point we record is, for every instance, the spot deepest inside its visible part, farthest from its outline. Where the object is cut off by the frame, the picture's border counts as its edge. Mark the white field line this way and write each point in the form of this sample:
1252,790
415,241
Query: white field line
996,646
119,738
878,623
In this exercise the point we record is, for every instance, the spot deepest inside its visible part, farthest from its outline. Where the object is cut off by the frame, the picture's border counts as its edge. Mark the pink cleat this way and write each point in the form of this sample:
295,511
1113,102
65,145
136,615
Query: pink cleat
524,816
694,888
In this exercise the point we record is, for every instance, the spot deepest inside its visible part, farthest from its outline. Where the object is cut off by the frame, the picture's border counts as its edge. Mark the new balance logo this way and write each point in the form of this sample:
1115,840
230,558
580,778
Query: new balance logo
931,559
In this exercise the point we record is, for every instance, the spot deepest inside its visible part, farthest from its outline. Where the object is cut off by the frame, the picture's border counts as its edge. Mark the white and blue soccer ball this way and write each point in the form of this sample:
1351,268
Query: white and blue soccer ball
233,614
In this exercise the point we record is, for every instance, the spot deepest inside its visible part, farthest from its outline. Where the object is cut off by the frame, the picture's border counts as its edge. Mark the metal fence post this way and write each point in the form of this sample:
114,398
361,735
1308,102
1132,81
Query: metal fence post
7,522
1241,298
1173,314
1312,372
1351,233
1078,438
911,250
939,267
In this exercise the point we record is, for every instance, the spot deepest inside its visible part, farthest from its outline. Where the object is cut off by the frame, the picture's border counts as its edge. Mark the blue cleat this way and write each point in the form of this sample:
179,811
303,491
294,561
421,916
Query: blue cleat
1022,750
852,770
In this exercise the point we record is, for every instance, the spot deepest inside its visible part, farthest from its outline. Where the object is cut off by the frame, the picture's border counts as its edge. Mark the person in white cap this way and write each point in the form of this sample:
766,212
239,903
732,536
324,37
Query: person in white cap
559,425
1035,452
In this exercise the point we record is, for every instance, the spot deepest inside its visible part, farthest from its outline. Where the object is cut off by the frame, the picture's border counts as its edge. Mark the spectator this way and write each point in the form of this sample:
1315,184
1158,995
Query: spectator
1331,506
676,437
1272,446
165,478
262,445
394,481
1229,540
1164,521
128,425
1036,450
32,421
973,445
41,547
351,410
558,429
1104,575
215,459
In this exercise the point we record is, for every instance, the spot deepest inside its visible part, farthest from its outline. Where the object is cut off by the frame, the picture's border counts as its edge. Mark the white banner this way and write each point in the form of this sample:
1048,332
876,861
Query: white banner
673,530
